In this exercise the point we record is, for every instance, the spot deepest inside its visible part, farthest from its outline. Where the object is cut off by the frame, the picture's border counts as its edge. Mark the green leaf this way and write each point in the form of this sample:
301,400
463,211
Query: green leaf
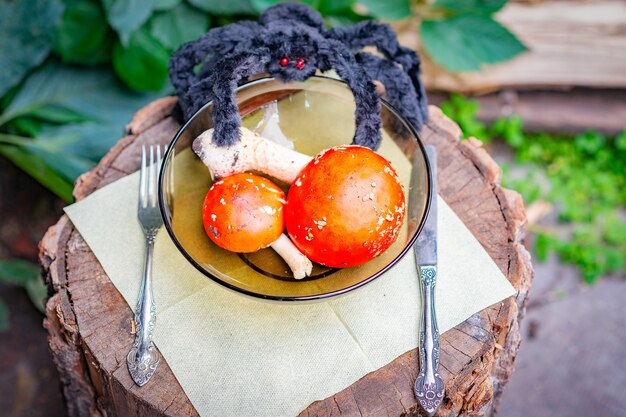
61,152
37,292
89,141
26,33
83,35
329,8
615,230
126,16
590,142
228,7
37,168
66,165
26,275
178,25
94,93
18,272
470,6
464,43
620,141
57,114
165,4
387,9
464,111
25,126
142,65
4,317
260,5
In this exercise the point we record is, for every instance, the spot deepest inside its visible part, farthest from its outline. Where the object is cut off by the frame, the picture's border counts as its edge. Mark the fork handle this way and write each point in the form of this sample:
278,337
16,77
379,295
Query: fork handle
143,358
429,387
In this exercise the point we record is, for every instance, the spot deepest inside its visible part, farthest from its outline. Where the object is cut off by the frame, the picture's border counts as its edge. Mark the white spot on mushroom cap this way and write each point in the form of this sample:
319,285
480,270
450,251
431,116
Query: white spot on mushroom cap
267,210
320,223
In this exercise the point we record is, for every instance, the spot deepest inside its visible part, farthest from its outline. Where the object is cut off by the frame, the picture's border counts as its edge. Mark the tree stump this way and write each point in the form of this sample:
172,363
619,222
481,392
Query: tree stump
89,322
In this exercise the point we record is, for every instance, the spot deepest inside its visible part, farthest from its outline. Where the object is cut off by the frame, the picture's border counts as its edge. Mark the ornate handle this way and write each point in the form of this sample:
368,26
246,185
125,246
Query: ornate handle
143,358
429,386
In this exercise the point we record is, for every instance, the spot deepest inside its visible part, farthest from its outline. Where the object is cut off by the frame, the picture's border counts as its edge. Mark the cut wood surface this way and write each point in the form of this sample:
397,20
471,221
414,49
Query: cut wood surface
572,43
89,323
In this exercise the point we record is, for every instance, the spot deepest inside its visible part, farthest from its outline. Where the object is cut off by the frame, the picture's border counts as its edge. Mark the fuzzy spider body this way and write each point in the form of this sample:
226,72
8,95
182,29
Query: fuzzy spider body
290,42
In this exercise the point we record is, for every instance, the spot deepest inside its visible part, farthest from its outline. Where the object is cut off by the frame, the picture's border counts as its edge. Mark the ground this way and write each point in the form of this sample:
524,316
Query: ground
571,362
29,383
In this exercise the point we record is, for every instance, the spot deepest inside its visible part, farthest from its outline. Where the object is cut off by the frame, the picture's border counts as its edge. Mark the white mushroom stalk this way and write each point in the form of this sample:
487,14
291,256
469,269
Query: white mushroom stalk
255,153
251,152
300,265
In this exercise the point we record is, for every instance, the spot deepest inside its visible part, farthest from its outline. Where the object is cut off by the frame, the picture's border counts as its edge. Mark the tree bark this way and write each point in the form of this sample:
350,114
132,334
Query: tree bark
89,322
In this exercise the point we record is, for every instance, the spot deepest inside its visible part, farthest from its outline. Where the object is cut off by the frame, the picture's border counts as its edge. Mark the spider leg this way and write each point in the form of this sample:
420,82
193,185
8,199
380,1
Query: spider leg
207,49
221,86
398,86
367,33
367,111
382,36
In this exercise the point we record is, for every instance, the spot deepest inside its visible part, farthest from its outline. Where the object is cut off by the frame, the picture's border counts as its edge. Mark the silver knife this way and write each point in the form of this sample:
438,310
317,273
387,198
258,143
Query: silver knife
429,387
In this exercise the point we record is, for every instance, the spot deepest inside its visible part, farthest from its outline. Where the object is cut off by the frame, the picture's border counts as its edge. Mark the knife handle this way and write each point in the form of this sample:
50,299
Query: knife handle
429,387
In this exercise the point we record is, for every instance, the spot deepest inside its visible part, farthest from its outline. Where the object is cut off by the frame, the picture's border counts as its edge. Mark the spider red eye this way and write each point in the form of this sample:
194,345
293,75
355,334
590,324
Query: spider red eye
300,63
284,61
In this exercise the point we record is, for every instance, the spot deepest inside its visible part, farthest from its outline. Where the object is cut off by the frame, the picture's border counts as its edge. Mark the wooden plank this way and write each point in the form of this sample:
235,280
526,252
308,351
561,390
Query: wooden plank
581,43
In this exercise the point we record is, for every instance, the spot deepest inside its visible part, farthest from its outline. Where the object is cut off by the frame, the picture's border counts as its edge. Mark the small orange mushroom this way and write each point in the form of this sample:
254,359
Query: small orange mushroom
244,213
345,207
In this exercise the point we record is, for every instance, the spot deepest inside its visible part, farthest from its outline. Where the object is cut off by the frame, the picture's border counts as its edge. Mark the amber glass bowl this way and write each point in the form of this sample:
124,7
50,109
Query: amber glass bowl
310,116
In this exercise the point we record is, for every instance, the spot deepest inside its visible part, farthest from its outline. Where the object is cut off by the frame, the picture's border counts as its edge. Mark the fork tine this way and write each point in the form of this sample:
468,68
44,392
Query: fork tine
142,178
151,178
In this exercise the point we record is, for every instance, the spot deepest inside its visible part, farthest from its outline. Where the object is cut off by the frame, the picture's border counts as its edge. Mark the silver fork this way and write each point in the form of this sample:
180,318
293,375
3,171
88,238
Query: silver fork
143,357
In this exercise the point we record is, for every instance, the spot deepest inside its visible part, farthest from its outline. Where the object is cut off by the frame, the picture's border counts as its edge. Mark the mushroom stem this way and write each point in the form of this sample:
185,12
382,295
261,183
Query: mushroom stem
300,265
251,152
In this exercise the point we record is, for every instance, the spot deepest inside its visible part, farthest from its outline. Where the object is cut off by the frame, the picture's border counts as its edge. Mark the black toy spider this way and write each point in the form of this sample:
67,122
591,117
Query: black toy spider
290,42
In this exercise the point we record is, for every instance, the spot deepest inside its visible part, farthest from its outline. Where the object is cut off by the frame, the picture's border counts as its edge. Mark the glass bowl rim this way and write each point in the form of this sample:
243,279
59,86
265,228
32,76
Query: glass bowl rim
315,297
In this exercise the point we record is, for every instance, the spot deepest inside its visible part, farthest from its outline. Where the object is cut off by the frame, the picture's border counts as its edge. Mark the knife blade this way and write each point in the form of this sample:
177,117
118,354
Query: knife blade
426,244
429,387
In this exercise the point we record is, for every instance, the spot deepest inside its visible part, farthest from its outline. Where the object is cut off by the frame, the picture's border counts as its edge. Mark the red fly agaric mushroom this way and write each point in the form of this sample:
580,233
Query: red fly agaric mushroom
345,207
244,213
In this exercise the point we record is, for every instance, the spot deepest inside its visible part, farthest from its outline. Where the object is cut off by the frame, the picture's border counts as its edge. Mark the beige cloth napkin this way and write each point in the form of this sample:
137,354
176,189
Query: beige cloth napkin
236,356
